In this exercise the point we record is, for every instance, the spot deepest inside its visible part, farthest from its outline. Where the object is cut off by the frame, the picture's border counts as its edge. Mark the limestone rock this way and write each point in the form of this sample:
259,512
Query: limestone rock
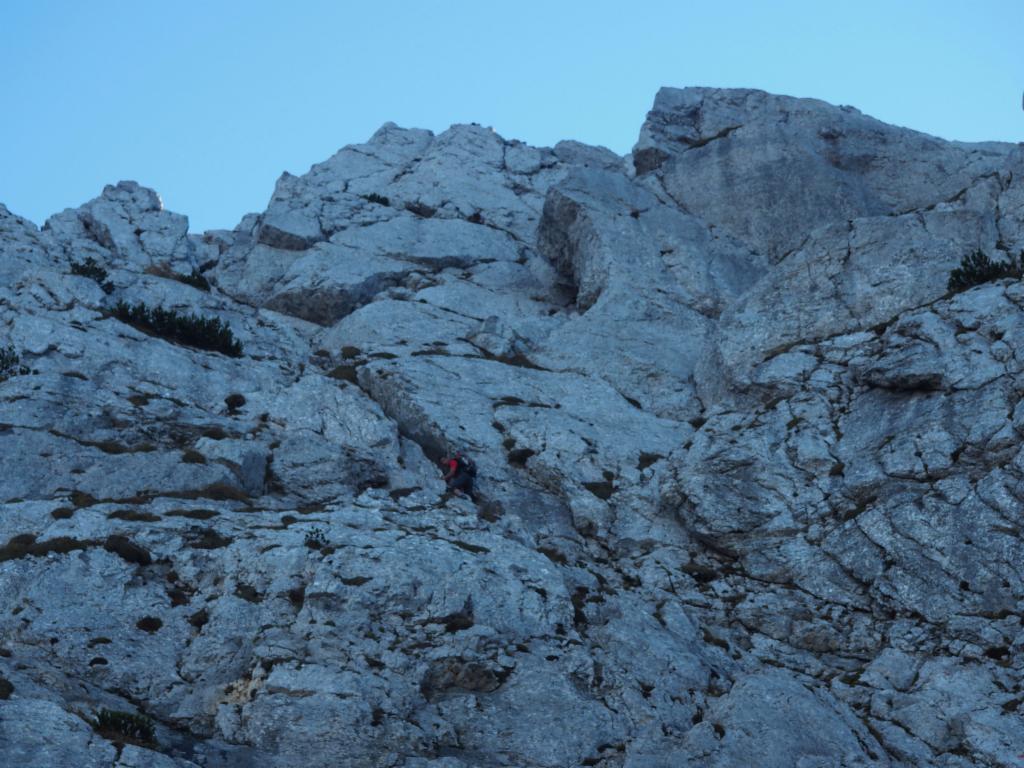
129,223
768,169
55,737
750,476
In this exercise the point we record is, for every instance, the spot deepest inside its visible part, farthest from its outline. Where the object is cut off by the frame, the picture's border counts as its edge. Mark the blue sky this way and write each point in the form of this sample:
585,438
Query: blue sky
208,102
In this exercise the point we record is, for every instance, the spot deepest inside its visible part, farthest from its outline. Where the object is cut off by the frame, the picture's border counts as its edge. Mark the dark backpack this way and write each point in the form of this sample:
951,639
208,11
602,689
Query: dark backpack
466,465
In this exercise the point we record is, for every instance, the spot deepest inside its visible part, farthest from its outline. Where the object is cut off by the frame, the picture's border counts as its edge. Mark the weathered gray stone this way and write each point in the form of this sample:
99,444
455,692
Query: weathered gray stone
769,169
55,737
129,223
850,277
750,478
784,723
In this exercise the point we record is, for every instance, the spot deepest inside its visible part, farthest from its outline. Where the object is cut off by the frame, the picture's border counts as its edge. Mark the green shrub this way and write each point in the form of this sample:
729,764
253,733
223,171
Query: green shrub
191,456
26,545
149,624
125,726
978,268
315,539
210,333
234,402
422,210
10,364
196,280
89,268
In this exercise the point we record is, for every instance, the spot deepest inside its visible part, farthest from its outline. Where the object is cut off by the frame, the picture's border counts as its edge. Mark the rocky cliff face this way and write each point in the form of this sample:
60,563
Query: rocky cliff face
751,480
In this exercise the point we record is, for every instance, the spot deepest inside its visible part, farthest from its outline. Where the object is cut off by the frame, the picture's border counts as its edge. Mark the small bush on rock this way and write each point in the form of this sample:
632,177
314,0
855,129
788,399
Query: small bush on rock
978,268
125,726
149,624
26,545
210,333
10,364
315,539
373,197
127,550
422,210
208,538
196,280
234,402
191,456
89,268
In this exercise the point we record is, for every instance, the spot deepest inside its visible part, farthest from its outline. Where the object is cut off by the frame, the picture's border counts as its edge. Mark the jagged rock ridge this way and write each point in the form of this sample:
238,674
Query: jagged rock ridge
751,479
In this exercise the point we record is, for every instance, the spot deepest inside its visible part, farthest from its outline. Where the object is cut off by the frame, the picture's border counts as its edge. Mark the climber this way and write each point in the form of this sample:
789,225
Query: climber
459,473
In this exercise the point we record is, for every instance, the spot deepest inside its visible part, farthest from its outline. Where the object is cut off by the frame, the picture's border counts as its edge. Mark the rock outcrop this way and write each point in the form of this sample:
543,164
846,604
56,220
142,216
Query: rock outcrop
751,478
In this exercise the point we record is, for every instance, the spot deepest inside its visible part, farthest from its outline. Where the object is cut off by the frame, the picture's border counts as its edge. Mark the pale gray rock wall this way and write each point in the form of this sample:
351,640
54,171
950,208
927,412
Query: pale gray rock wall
769,169
750,479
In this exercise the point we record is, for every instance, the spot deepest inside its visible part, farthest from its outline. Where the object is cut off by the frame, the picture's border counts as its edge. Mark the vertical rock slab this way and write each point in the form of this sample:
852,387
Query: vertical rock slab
768,169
